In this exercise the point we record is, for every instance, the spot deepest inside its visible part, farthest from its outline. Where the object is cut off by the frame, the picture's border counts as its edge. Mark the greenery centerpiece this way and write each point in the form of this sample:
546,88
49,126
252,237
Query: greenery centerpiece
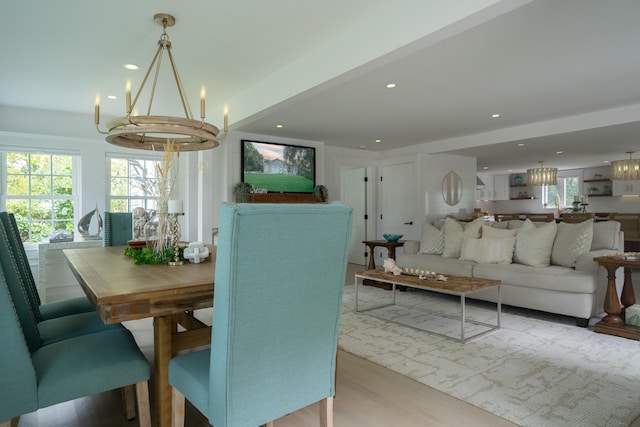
157,230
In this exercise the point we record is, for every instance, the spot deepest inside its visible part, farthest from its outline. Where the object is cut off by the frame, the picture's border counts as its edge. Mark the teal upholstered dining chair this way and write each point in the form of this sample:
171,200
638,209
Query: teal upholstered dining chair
279,278
48,310
37,329
36,376
117,228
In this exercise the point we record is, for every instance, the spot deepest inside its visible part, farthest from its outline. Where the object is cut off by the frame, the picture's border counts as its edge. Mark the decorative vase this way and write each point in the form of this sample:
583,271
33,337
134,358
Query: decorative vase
157,232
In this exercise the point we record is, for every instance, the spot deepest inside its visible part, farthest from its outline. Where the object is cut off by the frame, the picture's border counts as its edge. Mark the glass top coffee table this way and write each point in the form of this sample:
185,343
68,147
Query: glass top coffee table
454,285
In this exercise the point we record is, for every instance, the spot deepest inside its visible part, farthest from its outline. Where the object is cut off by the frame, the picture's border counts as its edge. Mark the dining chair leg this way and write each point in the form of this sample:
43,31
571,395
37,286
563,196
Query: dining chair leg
129,401
178,403
326,412
144,408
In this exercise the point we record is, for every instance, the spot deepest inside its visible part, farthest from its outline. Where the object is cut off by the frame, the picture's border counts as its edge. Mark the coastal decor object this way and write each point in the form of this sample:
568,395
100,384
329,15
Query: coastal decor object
84,225
389,265
542,176
242,190
175,209
149,132
626,170
392,237
322,193
452,188
517,180
196,252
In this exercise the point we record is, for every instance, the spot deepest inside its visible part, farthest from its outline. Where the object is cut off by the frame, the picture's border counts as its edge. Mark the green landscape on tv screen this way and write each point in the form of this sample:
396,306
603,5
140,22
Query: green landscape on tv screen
278,168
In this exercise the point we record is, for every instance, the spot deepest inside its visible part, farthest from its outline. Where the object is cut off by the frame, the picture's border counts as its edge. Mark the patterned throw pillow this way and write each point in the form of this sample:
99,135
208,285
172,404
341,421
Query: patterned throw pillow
497,233
454,234
432,241
571,241
534,243
488,251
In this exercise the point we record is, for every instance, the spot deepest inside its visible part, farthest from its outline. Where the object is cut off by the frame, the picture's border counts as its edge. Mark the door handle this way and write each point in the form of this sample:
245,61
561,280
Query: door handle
408,223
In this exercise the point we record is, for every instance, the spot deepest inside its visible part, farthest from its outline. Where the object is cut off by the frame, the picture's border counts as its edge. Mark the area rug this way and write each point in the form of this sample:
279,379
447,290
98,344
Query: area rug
533,372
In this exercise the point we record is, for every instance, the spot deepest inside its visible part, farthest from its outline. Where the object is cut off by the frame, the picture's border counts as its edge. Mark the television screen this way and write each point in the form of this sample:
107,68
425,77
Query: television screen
278,168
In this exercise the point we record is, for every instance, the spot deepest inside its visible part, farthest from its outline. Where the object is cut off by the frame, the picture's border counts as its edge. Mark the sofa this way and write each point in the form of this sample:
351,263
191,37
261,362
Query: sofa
542,266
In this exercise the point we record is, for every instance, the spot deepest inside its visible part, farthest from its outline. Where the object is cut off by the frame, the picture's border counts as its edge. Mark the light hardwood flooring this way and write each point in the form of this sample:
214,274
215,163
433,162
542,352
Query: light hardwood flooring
367,396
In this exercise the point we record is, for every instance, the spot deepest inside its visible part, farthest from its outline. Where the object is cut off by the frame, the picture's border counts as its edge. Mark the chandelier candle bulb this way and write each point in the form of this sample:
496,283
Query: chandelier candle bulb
202,93
96,116
128,96
175,207
226,119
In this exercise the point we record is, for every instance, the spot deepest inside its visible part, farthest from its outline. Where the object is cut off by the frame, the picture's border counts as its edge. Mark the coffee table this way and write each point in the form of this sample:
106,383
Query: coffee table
454,285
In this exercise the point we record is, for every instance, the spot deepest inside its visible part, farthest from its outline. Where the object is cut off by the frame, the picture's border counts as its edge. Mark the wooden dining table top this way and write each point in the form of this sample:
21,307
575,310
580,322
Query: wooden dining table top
121,290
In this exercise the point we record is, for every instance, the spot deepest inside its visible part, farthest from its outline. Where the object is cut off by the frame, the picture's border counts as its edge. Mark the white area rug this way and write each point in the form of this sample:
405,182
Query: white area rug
532,372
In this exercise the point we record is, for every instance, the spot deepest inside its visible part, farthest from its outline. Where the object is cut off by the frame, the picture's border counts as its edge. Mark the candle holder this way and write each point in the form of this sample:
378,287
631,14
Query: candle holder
175,238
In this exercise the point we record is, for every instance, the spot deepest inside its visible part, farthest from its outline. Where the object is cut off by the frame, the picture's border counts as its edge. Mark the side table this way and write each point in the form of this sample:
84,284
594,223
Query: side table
391,251
613,323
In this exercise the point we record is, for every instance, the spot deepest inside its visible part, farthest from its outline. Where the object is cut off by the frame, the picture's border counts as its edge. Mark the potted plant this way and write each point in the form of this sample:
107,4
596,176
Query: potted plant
321,192
242,190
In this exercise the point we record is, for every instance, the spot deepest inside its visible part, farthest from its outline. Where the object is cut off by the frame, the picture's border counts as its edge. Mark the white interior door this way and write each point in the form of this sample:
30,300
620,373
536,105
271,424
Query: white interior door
398,201
353,188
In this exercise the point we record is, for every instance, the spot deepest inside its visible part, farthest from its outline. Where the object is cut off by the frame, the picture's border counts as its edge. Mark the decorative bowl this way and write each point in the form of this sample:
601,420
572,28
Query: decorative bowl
392,237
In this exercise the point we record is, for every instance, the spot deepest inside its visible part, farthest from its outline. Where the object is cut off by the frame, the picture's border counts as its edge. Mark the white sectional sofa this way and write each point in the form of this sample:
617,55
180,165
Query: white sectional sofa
542,266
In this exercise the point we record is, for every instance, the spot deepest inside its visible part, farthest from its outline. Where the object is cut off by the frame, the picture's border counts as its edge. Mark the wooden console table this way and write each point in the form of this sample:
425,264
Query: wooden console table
391,250
613,323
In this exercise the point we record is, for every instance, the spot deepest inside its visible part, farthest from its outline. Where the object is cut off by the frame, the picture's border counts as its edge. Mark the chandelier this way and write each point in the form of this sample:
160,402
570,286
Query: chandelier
626,170
542,176
149,132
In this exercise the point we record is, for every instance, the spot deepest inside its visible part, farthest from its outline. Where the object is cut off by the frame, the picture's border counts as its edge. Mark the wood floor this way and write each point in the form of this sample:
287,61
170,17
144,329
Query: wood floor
367,396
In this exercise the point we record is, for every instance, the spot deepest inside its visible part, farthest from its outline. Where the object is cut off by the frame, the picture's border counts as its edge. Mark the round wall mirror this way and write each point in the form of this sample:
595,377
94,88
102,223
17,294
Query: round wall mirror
452,188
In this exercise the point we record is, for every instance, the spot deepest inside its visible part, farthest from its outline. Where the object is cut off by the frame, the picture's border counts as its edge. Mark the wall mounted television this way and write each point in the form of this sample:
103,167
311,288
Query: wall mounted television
278,168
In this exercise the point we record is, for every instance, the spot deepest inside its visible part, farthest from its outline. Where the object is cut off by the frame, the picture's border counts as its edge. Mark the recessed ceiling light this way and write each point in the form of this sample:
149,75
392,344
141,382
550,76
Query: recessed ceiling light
391,85
378,141
112,97
485,167
606,161
510,170
521,145
495,116
131,67
279,126
559,152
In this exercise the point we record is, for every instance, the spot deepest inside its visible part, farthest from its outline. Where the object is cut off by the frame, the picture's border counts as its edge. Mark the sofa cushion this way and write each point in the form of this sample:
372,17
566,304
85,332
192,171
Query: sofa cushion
437,263
534,243
432,241
572,240
605,235
454,234
490,232
487,250
499,224
554,277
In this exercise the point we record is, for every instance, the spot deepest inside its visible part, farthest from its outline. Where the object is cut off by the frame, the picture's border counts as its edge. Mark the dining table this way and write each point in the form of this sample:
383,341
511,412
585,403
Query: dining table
121,291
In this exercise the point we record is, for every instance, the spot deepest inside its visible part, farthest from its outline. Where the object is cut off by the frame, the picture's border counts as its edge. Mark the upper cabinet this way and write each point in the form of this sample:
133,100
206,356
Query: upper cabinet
626,188
496,187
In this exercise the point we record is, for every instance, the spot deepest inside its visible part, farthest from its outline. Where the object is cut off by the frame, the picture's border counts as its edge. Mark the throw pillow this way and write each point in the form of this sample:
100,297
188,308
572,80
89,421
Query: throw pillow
605,235
488,251
500,224
497,233
454,234
572,240
432,241
534,243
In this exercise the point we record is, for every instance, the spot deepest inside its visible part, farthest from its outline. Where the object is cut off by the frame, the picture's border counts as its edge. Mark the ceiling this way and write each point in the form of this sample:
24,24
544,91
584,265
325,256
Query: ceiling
563,75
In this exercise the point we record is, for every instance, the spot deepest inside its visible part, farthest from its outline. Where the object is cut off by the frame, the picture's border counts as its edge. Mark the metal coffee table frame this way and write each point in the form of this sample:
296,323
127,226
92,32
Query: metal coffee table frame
396,281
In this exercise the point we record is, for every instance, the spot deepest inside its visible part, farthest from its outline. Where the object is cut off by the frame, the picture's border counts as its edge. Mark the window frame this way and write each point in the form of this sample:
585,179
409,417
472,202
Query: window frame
562,176
148,202
74,197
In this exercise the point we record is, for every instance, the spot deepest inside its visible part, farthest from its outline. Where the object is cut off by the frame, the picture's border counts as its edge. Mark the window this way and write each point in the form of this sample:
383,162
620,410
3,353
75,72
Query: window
40,192
564,192
132,184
